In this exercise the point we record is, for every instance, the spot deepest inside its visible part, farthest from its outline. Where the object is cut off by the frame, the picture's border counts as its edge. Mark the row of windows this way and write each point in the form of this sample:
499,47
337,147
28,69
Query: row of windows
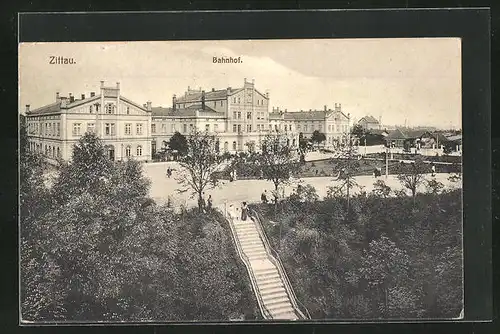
237,115
238,100
109,129
109,108
47,129
128,151
48,150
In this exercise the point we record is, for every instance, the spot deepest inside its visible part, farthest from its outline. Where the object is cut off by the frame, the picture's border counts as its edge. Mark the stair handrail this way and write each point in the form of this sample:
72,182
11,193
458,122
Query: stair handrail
277,261
263,309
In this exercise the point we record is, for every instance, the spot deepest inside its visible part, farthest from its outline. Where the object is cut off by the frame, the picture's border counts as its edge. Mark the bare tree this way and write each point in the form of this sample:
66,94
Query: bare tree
200,164
411,175
277,160
347,164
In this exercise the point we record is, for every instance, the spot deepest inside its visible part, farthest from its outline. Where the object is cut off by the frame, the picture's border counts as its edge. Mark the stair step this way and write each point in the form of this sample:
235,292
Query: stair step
269,290
279,300
266,270
267,274
288,315
274,296
280,307
276,281
256,252
252,247
275,278
252,234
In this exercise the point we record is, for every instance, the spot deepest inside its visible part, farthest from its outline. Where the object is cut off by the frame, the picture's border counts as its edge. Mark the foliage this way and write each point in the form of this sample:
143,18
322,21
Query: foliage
318,137
433,186
179,143
305,193
200,165
97,252
277,160
411,175
390,258
381,189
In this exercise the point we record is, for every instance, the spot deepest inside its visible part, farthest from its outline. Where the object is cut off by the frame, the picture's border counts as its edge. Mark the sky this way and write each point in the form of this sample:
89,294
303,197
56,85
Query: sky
417,81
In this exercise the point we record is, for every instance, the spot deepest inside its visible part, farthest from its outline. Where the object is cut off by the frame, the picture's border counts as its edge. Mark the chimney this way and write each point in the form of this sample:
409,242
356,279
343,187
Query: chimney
189,88
83,96
267,95
57,97
310,109
228,90
286,110
253,81
148,105
102,84
203,100
174,102
245,80
325,108
27,108
71,98
118,85
213,89
92,94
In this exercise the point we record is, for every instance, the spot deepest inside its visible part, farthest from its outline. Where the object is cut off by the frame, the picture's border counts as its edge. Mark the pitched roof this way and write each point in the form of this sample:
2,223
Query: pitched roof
186,112
210,95
454,138
396,134
369,119
57,106
378,132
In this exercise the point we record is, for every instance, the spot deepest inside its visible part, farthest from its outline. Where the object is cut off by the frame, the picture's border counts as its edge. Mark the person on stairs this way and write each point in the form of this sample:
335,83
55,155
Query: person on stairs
244,211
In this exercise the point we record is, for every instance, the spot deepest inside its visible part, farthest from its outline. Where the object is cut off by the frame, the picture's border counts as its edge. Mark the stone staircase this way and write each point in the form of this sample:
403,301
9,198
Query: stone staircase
270,284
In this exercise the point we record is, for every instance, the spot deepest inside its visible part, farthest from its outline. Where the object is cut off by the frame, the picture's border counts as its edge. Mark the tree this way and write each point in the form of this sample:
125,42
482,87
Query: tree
411,176
381,189
178,142
358,131
385,267
200,164
347,164
318,137
303,142
279,162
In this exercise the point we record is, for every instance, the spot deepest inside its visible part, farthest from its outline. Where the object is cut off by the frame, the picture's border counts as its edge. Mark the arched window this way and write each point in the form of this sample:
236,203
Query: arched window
139,150
127,151
226,146
58,153
234,146
53,151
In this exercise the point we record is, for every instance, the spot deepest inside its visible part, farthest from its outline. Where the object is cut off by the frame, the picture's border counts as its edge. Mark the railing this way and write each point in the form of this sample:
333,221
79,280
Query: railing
277,262
246,261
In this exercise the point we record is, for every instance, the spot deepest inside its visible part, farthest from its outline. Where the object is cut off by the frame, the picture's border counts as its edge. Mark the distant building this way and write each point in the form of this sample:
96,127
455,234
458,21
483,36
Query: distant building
369,123
123,125
333,123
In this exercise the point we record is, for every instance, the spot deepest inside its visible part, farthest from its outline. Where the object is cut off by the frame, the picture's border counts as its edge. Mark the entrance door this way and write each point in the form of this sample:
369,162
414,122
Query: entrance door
111,153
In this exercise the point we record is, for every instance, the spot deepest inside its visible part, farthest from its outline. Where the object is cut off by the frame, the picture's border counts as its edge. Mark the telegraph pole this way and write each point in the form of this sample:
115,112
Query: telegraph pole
386,162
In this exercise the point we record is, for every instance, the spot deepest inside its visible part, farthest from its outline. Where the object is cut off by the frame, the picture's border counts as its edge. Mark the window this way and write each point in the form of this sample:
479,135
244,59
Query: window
239,128
76,129
153,128
226,146
305,127
128,129
139,150
90,127
190,127
96,107
138,128
50,129
216,127
107,129
239,115
234,100
270,127
184,128
276,127
234,146
249,115
58,129
109,108
172,127
91,109
221,103
207,127
239,101
249,127
234,127
127,151
234,115
320,127
128,110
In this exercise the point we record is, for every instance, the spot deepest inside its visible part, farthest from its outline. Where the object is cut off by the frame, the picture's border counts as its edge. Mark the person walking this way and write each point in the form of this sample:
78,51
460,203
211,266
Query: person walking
263,197
433,169
209,202
244,211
